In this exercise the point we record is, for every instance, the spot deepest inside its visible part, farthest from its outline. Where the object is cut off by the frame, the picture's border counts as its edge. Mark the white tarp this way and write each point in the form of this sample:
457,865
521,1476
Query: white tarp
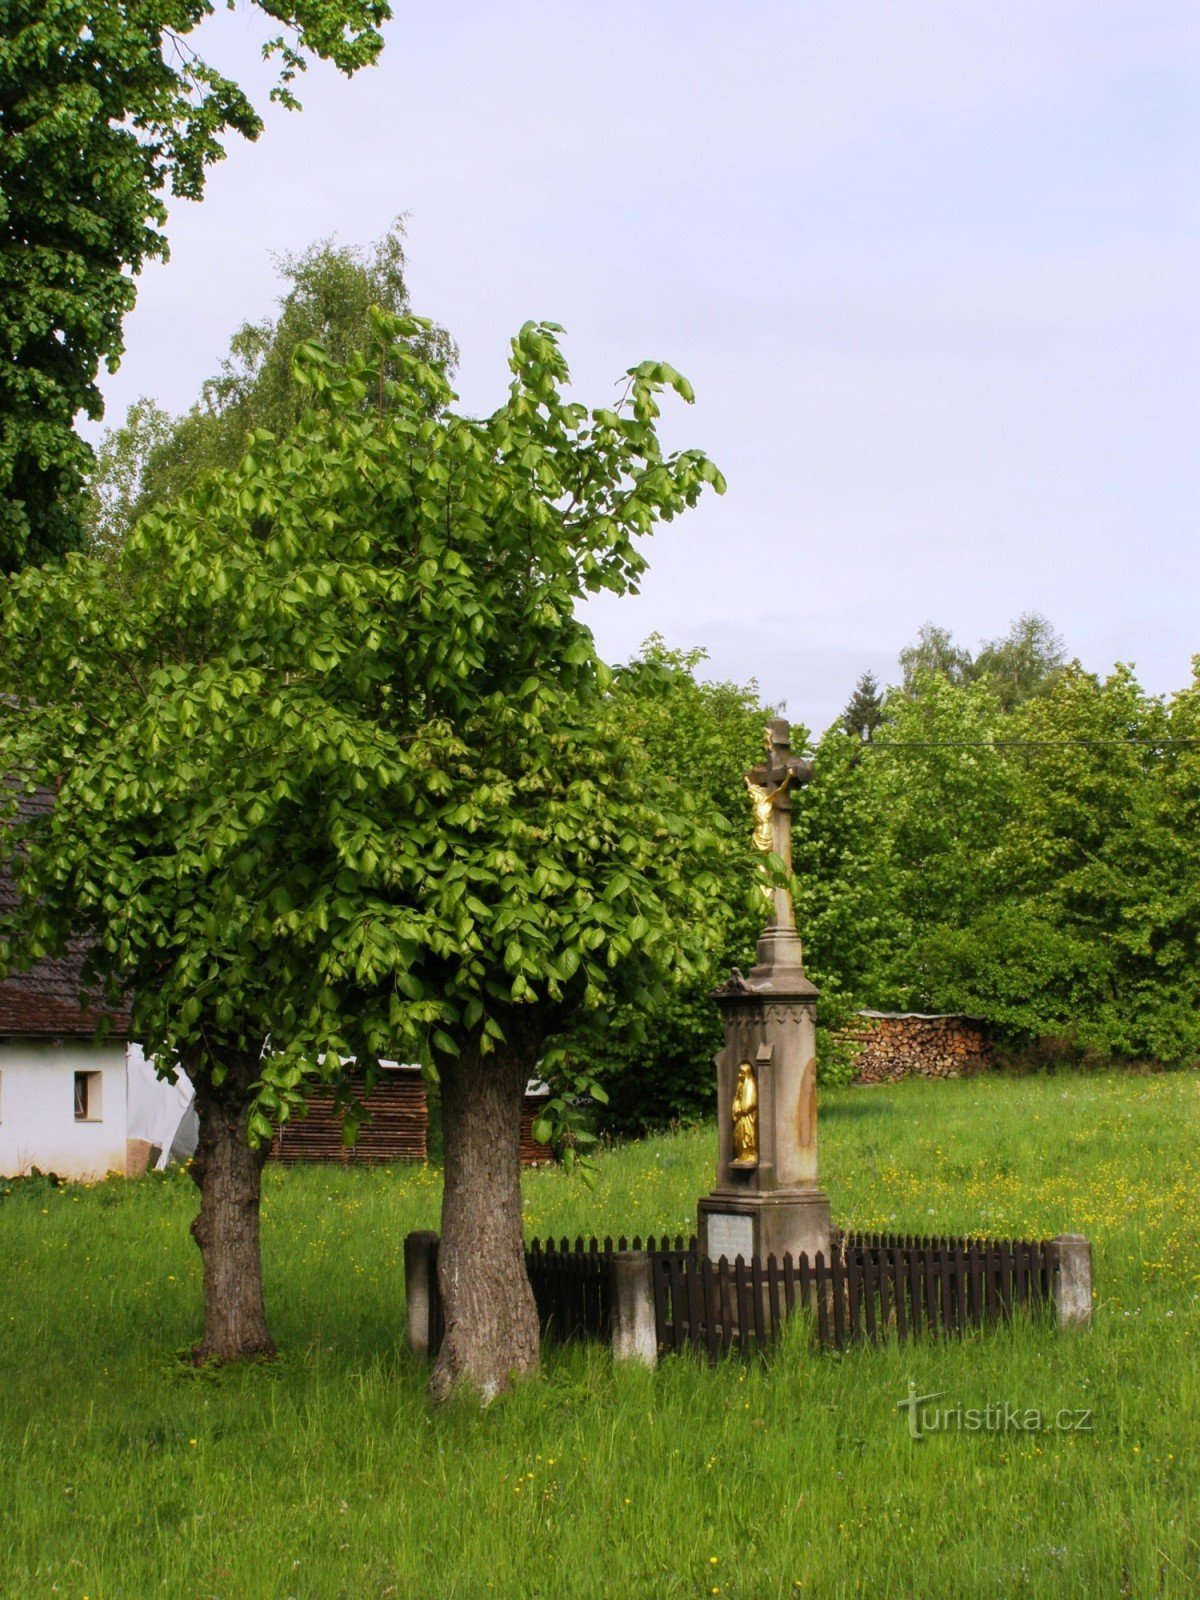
162,1113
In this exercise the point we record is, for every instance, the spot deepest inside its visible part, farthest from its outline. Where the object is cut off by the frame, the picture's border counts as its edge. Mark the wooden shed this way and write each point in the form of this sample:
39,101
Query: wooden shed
533,1154
395,1130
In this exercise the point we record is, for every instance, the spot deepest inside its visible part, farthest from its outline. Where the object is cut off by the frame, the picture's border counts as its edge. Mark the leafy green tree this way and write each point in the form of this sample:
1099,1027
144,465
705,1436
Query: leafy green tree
1023,662
934,654
941,794
1032,864
846,893
125,460
655,1059
153,457
344,778
890,840
1089,931
1019,664
103,109
1167,910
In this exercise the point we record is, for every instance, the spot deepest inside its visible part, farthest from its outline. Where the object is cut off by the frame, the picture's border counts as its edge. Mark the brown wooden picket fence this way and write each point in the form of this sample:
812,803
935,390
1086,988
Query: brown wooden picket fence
872,1287
571,1282
946,1284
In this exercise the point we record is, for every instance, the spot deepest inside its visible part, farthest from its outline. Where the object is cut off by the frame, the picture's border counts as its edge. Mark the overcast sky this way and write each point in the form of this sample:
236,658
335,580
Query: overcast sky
932,268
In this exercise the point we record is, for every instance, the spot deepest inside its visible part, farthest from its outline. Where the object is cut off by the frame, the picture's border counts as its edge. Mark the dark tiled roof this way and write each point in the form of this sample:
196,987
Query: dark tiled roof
44,1001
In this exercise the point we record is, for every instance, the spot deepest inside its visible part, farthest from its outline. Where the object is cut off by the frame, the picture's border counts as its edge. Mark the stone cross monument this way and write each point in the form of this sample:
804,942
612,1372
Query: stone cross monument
767,1200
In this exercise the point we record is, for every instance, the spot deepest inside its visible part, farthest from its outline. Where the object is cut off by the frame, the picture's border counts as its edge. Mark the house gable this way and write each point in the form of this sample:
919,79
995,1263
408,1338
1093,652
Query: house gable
44,1002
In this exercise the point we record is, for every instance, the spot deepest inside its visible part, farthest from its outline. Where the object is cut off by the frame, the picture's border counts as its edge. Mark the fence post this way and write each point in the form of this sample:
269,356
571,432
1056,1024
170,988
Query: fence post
634,1335
1071,1265
419,1289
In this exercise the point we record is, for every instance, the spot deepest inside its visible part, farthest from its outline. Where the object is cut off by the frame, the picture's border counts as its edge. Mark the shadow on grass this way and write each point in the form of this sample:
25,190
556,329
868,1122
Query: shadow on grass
868,1109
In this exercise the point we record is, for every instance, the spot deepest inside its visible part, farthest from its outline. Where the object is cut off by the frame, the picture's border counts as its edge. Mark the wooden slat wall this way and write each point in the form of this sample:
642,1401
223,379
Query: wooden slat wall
533,1154
395,1132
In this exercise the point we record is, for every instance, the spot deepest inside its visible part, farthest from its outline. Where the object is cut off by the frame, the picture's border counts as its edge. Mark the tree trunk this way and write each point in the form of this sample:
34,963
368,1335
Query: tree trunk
229,1175
491,1320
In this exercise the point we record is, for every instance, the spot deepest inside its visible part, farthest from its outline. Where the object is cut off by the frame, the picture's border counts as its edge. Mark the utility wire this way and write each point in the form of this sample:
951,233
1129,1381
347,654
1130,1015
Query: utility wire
1015,744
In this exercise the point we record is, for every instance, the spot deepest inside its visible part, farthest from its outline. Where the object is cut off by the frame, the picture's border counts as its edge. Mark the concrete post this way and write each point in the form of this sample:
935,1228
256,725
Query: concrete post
634,1336
1071,1259
419,1289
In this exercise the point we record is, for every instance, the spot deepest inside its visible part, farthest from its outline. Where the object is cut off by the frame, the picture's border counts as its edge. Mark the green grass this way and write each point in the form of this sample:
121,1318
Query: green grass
326,1475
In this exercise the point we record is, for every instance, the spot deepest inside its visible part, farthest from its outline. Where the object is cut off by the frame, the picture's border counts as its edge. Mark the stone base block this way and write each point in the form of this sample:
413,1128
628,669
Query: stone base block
787,1222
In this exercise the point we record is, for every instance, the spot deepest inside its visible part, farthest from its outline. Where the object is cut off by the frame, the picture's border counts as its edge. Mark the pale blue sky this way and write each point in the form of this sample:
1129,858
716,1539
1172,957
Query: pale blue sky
932,268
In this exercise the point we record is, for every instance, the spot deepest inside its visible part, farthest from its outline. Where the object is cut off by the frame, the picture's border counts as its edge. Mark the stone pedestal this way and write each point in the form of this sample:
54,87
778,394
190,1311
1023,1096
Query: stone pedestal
758,1226
773,1206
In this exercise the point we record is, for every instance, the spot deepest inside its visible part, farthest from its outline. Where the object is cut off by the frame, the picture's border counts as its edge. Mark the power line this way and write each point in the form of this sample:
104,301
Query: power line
1016,744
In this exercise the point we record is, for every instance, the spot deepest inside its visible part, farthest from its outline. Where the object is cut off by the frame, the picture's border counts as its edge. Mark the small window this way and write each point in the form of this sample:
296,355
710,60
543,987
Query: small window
87,1096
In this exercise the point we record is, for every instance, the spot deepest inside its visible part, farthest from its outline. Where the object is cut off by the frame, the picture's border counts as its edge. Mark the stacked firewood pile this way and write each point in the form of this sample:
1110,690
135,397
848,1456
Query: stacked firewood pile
907,1044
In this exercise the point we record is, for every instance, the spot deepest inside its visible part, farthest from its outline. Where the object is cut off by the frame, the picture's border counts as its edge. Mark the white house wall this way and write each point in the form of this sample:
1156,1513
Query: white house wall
37,1109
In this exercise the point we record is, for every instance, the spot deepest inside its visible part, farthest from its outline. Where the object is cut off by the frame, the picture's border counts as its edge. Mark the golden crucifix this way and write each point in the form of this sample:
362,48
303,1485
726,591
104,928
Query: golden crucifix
763,801
769,785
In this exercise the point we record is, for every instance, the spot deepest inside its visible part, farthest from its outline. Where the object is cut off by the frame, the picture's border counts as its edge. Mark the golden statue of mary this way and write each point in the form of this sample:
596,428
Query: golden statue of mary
745,1116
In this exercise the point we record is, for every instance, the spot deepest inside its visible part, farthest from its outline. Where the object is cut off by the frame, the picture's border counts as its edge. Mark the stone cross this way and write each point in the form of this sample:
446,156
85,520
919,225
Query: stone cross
766,1200
770,784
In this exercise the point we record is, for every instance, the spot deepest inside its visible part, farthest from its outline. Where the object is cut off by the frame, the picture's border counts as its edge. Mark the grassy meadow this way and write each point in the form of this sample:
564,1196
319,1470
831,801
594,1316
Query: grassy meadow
325,1475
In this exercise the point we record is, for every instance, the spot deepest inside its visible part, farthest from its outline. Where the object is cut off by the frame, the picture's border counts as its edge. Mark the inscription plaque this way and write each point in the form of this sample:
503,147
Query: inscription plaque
730,1235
